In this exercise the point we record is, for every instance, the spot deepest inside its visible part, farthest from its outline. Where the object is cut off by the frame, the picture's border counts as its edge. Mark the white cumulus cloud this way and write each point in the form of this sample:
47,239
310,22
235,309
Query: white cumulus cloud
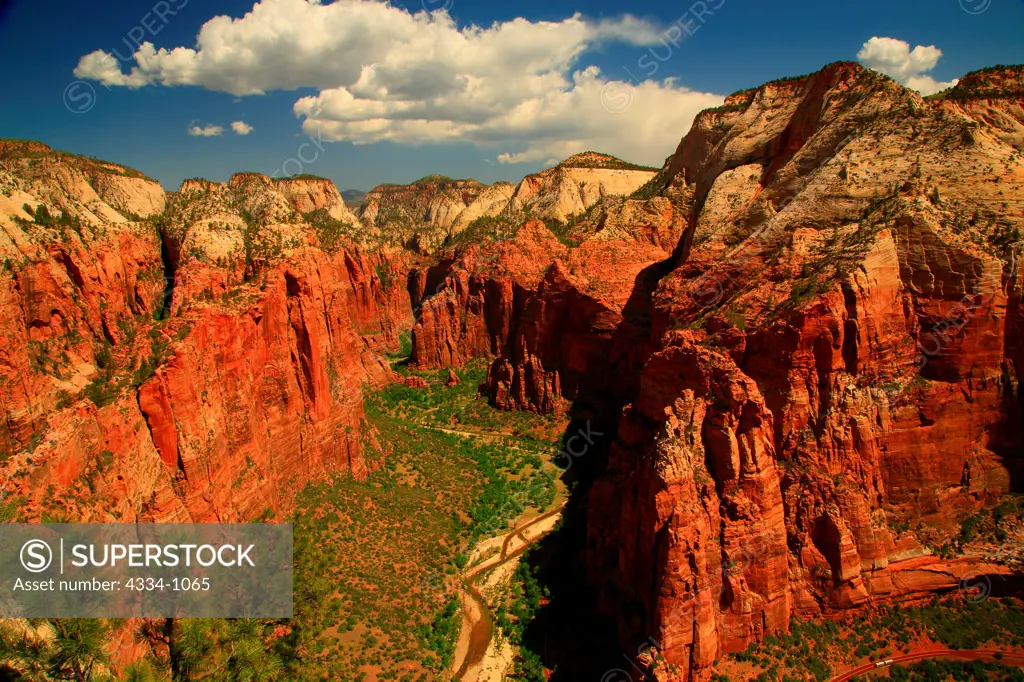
908,67
241,127
209,130
519,87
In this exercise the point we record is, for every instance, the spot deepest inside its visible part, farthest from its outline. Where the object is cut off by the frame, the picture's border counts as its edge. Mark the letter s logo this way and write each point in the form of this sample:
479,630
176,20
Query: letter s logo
36,556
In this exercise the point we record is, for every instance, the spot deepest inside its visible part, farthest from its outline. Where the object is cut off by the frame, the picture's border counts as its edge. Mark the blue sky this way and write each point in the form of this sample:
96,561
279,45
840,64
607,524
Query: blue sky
743,43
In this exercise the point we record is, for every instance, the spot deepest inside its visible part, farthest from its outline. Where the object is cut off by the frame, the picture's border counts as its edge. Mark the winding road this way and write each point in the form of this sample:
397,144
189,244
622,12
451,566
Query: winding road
1008,657
475,613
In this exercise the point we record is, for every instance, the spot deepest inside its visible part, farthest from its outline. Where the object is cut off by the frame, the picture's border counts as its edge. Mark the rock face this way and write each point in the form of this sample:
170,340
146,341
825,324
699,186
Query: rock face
78,266
550,323
805,332
433,202
94,192
430,212
576,184
312,194
472,311
833,355
204,375
257,398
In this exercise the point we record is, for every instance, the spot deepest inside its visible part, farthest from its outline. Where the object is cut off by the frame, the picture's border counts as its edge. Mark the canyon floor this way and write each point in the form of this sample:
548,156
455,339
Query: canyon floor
402,550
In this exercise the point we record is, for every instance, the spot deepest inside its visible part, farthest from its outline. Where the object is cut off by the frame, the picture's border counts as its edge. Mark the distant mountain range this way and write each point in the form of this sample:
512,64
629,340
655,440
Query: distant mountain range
353,197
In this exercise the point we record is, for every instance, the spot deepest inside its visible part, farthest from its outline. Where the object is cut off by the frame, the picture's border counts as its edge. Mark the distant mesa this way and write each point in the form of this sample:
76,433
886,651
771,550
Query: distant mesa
599,160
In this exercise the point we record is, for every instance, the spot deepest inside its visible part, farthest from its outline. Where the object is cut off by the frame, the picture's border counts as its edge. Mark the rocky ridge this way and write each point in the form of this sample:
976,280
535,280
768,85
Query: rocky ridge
832,362
431,211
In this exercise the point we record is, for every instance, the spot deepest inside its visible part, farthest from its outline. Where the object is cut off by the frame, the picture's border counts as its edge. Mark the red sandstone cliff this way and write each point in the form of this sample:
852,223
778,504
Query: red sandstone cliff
547,308
260,396
833,356
811,320
247,384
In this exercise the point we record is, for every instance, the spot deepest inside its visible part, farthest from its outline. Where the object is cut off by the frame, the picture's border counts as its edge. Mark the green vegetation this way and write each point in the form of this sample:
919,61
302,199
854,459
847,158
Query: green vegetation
1004,236
652,187
510,471
517,610
303,176
973,86
60,224
726,108
459,408
261,246
988,525
378,560
736,318
805,289
112,379
854,65
104,389
77,649
566,232
440,635
57,649
563,231
10,510
810,650
597,160
158,354
746,92
434,178
991,524
404,347
495,228
385,275
30,149
940,669
329,231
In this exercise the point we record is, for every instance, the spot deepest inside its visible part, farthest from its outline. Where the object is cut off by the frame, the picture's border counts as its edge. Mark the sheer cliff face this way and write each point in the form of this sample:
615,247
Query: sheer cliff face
548,309
835,356
204,375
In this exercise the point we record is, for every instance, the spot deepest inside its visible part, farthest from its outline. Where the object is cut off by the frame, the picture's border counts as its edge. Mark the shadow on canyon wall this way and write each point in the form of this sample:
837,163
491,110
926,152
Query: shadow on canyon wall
569,633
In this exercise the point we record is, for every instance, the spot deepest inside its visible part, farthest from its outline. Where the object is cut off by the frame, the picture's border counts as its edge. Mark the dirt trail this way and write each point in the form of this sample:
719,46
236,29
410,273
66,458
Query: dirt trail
477,620
1008,657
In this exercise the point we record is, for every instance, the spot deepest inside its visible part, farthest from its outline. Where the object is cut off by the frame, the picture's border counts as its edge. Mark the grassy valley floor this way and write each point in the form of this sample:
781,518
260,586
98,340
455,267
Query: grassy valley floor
380,562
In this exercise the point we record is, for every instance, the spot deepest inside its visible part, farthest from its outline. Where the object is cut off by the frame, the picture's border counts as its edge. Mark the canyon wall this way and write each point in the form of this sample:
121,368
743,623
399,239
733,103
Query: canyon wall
805,332
835,368
199,360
